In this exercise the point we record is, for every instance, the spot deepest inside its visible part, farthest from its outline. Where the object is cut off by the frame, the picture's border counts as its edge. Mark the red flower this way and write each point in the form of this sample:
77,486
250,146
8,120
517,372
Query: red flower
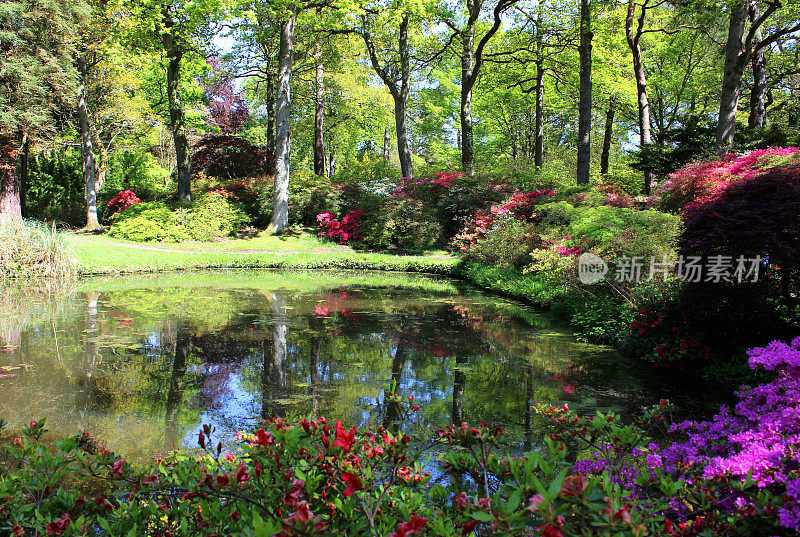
17,530
264,438
344,439
116,468
468,527
223,480
353,483
410,527
242,474
58,527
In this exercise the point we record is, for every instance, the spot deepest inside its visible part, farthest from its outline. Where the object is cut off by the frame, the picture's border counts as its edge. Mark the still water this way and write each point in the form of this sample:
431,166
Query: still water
142,361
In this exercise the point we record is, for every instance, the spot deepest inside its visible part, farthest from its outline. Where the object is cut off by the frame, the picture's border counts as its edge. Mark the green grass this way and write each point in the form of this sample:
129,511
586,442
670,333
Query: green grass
98,254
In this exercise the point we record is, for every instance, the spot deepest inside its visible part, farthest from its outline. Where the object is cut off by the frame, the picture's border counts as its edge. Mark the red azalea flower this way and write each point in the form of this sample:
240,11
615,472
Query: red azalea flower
264,438
58,527
468,527
116,468
242,474
353,483
410,527
344,439
17,530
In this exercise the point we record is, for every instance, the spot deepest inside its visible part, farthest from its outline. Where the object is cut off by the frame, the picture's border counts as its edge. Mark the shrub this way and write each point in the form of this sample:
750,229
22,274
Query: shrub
344,231
231,157
751,217
507,244
122,201
311,195
696,183
211,217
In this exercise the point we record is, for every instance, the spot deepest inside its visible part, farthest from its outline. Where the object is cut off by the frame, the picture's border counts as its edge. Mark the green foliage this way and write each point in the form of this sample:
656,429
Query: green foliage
508,245
611,232
136,171
211,217
55,187
30,250
309,196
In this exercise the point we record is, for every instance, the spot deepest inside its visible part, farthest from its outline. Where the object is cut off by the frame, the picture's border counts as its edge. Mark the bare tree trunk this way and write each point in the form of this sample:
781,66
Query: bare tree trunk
609,131
23,175
643,104
392,416
585,99
736,59
467,137
386,144
538,148
459,388
271,113
176,116
87,153
10,206
280,206
758,93
319,108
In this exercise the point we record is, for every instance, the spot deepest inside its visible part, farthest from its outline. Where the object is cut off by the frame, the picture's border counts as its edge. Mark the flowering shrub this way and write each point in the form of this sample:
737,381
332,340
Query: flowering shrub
122,201
344,231
592,475
520,206
697,183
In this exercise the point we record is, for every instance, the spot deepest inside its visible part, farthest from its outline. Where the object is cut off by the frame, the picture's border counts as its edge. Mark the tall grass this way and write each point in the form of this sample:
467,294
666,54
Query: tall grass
34,251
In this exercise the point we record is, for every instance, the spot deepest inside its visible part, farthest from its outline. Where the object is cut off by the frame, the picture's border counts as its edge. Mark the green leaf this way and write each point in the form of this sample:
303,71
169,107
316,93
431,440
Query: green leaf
482,516
514,500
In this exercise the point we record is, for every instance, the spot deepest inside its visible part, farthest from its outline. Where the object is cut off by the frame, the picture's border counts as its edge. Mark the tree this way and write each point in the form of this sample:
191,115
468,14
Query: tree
37,74
280,203
585,104
395,72
742,43
471,62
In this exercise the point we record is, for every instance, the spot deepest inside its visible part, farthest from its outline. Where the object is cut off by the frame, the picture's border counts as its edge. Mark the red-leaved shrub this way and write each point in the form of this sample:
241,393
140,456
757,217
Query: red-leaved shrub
123,200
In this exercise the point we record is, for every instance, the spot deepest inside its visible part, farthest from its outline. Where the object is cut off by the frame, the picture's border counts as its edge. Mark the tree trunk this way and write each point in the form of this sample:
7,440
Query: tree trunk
23,176
758,93
319,108
643,104
736,59
400,102
609,131
467,138
538,147
10,206
459,389
585,100
392,416
87,154
386,144
280,205
271,113
176,116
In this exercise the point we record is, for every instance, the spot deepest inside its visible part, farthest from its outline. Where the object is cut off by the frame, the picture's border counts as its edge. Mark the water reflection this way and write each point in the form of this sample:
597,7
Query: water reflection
142,361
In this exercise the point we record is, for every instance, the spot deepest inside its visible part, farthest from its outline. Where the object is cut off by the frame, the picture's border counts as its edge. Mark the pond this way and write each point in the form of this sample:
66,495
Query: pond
141,362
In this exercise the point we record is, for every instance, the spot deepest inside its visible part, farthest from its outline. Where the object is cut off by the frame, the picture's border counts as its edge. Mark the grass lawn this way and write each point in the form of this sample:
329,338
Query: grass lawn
100,254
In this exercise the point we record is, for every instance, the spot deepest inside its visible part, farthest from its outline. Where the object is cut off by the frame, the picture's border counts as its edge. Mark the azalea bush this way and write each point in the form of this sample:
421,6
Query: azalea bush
591,475
698,182
213,216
